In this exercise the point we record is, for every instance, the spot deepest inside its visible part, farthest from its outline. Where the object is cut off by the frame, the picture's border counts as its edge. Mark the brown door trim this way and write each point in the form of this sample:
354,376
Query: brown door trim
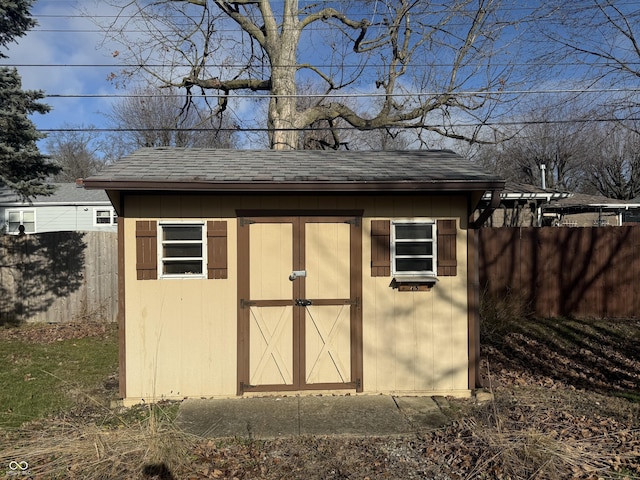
298,262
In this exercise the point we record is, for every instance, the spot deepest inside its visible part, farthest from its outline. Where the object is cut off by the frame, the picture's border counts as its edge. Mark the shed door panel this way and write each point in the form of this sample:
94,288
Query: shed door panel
271,339
271,306
328,344
327,247
271,254
327,319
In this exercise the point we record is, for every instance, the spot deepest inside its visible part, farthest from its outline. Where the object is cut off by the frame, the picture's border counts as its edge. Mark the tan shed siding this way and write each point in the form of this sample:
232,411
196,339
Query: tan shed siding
181,333
181,336
417,341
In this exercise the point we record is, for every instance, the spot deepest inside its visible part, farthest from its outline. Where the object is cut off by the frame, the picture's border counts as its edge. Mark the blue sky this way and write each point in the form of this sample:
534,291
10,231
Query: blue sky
70,59
64,37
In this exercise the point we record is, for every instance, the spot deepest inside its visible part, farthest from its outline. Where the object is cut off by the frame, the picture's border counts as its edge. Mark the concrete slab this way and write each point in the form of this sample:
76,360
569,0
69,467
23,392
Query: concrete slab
422,412
264,417
272,417
351,415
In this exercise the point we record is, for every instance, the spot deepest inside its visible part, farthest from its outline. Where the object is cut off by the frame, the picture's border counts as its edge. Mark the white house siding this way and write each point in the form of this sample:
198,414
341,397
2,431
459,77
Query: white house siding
70,208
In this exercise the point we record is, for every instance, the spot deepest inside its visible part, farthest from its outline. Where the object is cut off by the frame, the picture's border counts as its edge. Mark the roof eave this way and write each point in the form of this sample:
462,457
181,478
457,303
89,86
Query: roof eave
295,187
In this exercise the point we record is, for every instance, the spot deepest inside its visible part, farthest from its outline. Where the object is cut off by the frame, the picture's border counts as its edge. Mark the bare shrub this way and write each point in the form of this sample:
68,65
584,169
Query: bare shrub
498,314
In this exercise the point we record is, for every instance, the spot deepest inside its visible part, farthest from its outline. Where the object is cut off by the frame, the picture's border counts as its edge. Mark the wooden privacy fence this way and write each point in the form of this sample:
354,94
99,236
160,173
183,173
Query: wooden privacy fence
557,271
58,277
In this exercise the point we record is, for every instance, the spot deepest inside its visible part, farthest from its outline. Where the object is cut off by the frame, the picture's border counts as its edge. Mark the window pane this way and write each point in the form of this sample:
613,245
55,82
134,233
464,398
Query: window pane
413,231
28,217
414,248
414,265
183,267
183,250
29,227
103,216
14,217
182,233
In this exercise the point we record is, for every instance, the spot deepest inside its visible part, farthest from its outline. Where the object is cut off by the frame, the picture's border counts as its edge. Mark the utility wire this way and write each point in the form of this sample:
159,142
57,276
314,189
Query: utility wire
350,128
319,65
352,95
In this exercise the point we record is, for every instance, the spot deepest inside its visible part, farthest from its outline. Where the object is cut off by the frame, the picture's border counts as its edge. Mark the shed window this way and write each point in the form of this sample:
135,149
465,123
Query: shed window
182,250
26,218
413,248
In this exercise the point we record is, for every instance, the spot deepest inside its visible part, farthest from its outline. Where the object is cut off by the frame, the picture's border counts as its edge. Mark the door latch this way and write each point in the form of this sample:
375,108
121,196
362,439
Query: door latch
303,302
296,274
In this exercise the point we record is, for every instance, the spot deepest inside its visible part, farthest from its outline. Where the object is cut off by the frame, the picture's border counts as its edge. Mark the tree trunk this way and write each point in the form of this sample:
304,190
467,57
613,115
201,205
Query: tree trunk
282,50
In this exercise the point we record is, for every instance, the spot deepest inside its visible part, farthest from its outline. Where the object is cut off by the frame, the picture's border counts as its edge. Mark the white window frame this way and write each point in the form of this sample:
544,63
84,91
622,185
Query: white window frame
113,218
21,214
416,274
162,260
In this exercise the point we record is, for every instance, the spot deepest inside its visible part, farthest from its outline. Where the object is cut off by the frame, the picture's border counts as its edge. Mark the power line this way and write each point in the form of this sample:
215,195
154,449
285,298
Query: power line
353,95
318,129
370,65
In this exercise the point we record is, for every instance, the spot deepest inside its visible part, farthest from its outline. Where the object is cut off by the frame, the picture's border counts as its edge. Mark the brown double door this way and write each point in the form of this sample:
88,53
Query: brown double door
299,313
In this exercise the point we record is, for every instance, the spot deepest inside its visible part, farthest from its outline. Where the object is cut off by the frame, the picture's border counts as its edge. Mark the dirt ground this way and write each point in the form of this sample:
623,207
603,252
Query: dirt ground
566,405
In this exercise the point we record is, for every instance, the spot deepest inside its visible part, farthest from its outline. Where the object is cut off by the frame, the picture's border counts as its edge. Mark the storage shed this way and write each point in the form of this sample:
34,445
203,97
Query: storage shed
244,272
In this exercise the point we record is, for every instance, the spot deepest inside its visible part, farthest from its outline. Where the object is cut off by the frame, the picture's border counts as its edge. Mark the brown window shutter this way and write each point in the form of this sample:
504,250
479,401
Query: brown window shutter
146,249
217,249
380,248
447,257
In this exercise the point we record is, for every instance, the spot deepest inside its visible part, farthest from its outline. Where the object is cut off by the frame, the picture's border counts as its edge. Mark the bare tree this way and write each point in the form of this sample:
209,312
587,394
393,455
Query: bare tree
614,166
554,133
152,117
382,139
597,44
76,151
417,57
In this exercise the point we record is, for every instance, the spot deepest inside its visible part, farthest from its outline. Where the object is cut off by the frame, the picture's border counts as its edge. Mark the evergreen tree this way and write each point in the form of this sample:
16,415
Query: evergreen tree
22,167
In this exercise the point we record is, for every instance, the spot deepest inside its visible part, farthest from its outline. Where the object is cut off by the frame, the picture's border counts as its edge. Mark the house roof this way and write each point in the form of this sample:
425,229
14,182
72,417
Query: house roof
580,201
64,194
293,171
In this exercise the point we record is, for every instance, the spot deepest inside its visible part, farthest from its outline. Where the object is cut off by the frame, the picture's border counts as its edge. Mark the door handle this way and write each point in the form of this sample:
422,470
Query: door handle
297,273
303,302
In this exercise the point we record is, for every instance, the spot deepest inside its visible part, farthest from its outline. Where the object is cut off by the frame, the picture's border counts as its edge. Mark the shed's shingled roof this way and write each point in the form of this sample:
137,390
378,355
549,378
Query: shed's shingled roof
212,169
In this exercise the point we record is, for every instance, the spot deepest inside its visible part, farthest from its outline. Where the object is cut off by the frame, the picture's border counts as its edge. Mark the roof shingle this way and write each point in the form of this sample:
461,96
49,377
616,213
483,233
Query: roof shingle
204,168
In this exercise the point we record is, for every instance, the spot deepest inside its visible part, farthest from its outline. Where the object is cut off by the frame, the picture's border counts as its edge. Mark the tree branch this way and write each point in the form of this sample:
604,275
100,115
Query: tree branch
327,13
226,85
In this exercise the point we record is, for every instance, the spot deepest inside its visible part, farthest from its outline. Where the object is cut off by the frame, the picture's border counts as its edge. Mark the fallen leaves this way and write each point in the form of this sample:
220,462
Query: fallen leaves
58,332
553,416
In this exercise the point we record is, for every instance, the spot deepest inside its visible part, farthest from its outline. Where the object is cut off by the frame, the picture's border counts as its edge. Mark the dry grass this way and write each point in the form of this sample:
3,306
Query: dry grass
150,448
513,437
531,453
542,424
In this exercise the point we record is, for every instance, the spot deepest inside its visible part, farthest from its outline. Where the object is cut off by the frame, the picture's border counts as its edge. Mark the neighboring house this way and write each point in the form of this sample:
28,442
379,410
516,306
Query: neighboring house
69,208
523,205
580,210
290,271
